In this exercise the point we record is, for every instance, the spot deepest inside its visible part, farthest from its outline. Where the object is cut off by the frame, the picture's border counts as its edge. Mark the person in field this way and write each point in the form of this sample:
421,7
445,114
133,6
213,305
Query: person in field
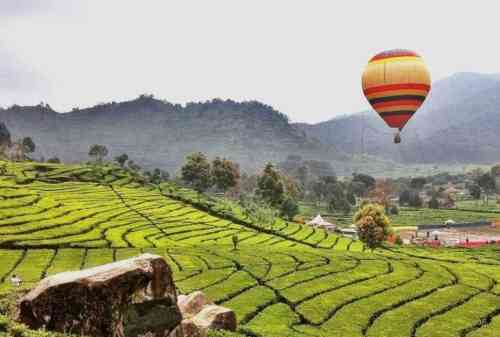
15,280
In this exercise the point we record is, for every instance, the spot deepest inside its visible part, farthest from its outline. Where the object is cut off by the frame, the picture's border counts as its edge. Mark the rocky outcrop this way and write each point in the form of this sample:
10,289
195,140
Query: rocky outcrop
200,315
129,298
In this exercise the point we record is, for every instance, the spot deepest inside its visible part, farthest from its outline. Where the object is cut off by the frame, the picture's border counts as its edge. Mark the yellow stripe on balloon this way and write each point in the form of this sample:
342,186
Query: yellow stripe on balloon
412,107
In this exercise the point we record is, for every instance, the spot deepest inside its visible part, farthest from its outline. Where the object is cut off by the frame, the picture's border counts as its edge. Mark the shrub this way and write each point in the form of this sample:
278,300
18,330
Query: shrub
373,225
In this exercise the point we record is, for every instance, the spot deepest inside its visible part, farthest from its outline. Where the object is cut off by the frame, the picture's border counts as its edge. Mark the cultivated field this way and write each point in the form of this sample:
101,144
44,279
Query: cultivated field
287,280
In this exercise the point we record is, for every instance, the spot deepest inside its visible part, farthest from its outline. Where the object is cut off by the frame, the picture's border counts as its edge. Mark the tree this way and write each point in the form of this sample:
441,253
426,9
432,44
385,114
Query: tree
289,208
5,140
196,172
351,197
434,202
373,225
339,204
488,183
415,200
54,160
382,192
28,145
98,152
292,189
269,186
225,173
122,159
495,171
475,191
418,183
404,197
133,166
367,181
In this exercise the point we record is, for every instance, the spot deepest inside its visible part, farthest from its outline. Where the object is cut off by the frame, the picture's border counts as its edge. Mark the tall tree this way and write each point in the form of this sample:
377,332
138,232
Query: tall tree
196,172
488,183
367,181
418,183
122,159
28,145
98,152
289,208
5,140
225,173
475,191
269,186
373,225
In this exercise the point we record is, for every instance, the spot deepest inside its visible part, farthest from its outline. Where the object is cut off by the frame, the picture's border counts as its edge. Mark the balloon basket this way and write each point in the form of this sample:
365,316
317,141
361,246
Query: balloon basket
397,138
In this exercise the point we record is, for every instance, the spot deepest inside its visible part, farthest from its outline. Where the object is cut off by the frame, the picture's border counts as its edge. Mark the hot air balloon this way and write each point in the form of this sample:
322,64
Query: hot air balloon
396,83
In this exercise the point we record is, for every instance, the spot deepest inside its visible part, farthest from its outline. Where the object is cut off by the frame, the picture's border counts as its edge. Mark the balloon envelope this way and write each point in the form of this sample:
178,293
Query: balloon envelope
396,83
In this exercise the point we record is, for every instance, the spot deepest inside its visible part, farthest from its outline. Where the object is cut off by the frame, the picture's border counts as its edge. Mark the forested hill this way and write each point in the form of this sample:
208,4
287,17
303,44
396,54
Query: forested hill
155,133
459,122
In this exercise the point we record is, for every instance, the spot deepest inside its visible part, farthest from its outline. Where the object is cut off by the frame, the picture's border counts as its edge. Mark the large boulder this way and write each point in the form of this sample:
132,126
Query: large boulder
129,298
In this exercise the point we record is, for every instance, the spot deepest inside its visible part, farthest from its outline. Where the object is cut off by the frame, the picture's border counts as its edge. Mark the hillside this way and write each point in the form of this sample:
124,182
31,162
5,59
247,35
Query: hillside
299,282
458,122
159,134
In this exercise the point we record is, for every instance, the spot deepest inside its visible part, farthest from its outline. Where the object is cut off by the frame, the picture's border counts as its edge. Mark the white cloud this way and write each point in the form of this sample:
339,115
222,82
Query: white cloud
303,57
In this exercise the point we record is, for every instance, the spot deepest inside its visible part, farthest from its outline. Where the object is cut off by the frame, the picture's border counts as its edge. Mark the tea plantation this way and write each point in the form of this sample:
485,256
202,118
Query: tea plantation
284,280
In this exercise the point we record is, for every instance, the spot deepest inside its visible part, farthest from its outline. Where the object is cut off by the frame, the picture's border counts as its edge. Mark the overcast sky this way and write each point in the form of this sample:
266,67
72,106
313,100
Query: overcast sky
304,58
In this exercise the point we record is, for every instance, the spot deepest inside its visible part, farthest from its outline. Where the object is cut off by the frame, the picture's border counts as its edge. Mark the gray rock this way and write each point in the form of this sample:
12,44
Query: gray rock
106,301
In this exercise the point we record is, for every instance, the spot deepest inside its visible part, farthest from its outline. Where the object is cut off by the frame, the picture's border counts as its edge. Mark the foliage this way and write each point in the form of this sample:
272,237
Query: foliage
289,208
5,139
372,224
270,187
394,210
418,183
98,152
339,204
434,202
196,172
54,160
121,159
225,173
487,182
362,183
475,191
28,145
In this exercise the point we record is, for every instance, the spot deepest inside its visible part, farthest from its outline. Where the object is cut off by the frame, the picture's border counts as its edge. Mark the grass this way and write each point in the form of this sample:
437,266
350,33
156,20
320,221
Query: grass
290,280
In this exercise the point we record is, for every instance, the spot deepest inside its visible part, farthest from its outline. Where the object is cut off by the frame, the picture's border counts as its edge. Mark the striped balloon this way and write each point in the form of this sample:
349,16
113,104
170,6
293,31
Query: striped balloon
396,83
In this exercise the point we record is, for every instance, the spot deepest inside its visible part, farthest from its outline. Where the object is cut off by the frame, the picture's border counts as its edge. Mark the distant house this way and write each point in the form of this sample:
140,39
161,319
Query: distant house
349,231
319,222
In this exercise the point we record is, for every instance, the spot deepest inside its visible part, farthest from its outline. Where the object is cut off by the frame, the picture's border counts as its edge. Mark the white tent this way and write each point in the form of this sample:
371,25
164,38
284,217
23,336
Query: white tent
319,222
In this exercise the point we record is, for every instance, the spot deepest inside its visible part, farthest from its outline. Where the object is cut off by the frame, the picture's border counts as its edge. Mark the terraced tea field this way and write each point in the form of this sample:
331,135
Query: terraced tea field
287,280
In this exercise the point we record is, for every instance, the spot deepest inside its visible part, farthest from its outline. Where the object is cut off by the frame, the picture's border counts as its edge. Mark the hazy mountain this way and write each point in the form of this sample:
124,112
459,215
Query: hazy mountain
155,133
459,122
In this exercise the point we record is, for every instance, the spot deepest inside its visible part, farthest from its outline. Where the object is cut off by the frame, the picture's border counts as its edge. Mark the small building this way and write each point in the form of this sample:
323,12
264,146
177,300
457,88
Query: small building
349,231
319,222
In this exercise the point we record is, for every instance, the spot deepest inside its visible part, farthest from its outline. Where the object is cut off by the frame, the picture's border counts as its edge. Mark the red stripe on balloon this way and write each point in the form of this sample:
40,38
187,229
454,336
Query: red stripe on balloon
400,86
410,102
393,53
396,121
